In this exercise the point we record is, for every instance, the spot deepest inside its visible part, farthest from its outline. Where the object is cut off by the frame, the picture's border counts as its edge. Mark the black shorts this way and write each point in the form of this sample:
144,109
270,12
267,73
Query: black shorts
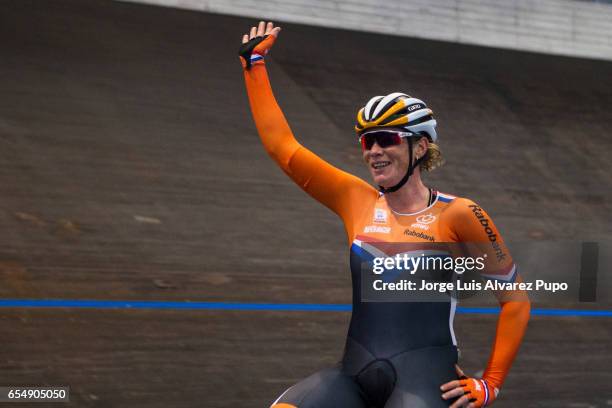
410,379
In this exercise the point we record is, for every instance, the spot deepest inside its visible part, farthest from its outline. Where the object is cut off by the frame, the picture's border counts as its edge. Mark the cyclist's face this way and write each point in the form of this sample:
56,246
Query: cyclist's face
387,165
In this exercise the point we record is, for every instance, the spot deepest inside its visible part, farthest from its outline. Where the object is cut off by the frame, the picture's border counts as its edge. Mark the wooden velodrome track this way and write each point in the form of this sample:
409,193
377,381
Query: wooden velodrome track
131,170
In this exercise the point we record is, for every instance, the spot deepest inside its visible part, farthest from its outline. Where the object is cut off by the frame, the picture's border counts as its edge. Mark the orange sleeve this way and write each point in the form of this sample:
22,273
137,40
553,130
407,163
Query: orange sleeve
511,327
469,223
341,192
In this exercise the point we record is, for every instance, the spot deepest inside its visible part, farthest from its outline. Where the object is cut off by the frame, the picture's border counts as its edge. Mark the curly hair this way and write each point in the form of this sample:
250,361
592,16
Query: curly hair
433,158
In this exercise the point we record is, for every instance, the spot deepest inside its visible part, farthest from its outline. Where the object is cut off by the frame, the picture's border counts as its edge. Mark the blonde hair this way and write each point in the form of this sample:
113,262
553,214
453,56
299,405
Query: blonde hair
433,158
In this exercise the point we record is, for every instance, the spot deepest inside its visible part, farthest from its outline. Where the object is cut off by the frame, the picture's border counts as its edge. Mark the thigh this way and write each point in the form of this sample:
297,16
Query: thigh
420,373
327,388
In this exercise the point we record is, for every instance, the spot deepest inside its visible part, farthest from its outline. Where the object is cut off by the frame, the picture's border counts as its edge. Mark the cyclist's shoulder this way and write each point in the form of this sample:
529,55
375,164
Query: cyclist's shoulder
464,214
446,199
453,206
451,200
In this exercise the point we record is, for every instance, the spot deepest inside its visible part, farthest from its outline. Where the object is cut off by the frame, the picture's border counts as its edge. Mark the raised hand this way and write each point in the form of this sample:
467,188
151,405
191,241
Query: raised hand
257,43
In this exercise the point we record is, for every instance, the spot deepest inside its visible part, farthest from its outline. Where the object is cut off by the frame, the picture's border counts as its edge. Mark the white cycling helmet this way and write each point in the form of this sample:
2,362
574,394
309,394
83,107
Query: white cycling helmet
397,110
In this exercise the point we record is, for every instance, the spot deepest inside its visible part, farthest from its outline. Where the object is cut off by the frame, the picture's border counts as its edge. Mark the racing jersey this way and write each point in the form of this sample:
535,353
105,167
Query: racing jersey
388,328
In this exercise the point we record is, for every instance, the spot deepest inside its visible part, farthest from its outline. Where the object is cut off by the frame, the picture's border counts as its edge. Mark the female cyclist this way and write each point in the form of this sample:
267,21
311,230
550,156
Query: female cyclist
397,354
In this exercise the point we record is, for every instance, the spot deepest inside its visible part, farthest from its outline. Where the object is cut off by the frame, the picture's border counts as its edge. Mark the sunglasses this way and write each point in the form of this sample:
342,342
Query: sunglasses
383,138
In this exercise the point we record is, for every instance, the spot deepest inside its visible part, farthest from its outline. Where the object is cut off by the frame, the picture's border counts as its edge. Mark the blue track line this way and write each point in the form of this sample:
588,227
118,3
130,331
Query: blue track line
286,307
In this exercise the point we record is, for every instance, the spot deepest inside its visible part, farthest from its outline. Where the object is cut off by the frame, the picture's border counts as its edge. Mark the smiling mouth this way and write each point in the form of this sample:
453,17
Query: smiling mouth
380,165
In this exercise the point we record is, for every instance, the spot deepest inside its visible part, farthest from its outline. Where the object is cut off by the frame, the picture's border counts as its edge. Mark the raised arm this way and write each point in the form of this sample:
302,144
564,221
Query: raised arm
336,189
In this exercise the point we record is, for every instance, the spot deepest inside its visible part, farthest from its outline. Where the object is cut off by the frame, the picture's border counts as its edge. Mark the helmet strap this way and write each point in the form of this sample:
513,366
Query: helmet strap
409,172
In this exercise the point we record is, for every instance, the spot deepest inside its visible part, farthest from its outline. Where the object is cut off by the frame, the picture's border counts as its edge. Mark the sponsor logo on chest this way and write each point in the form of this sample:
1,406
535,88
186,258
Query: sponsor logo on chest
377,229
423,221
381,216
417,234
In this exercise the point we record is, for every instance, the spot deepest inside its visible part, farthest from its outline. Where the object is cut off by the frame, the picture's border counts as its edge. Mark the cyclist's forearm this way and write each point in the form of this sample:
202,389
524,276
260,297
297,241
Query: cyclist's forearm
511,327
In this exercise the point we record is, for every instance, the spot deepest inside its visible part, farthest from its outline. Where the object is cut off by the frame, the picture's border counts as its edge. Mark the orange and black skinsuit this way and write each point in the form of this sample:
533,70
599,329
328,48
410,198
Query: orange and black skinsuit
397,354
